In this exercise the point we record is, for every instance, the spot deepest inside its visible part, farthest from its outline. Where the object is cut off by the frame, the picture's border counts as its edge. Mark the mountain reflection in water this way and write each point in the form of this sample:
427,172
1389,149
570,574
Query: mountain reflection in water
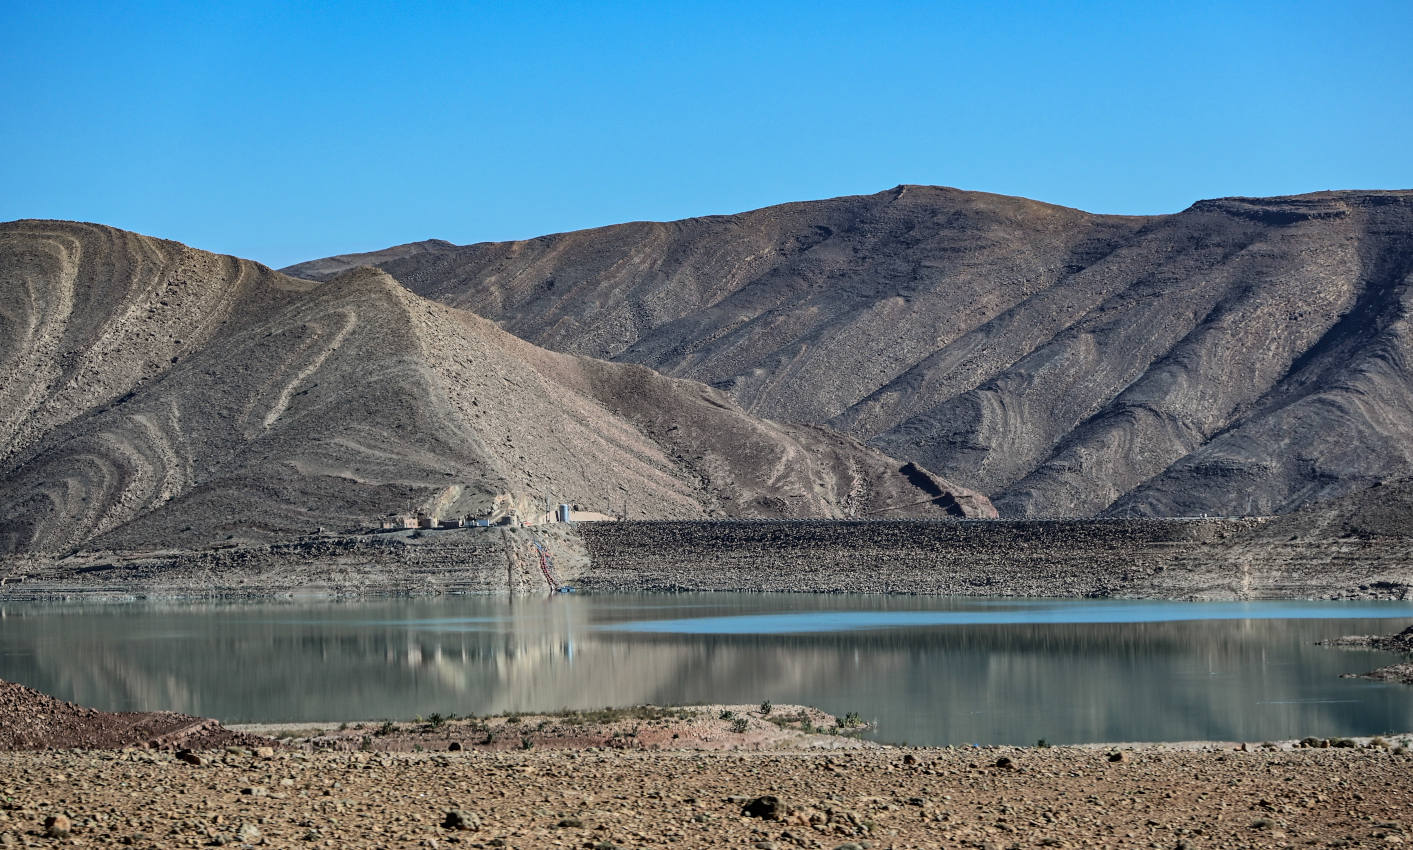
928,670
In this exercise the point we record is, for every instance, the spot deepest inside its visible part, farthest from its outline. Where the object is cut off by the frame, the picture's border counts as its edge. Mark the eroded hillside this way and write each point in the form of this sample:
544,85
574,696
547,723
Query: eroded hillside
1244,356
165,397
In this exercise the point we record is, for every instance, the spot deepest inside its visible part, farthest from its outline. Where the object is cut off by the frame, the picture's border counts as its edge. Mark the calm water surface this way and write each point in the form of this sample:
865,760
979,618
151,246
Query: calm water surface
927,670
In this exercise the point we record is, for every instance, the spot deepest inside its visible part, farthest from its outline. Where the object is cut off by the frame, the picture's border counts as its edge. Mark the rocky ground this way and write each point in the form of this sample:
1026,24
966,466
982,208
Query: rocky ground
1216,558
1204,558
644,727
647,777
597,798
30,720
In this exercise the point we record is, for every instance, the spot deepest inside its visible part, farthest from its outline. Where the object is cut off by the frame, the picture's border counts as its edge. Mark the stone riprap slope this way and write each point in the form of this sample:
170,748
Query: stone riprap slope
1244,356
162,397
1129,557
1135,557
403,563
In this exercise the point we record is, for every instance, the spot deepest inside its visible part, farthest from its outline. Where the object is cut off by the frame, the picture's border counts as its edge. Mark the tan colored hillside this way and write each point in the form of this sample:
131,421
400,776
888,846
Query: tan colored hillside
166,397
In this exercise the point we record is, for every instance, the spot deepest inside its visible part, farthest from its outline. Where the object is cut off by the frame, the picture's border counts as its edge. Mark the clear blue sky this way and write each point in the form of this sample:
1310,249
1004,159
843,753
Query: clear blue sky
283,132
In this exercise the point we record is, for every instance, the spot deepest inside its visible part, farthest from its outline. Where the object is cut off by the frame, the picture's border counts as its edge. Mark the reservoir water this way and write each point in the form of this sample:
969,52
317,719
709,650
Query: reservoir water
926,670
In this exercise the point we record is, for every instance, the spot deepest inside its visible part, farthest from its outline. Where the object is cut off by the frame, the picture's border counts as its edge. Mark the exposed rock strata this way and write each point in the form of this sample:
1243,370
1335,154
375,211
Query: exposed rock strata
163,397
1244,356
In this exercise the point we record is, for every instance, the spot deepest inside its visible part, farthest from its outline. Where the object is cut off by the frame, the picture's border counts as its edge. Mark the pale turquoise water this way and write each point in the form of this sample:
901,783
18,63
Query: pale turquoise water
927,670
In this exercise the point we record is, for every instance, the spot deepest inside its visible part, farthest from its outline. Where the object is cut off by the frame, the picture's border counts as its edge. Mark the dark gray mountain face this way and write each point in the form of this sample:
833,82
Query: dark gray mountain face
1242,356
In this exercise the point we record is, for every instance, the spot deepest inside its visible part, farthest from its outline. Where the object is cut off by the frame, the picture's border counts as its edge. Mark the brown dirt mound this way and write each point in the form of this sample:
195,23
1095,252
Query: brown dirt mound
30,720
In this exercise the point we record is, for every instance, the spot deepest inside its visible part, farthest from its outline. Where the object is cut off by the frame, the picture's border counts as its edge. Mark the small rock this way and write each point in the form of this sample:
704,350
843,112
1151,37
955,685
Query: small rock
765,808
909,758
454,747
254,791
1119,756
765,845
8,839
850,845
248,833
1005,763
566,823
606,845
189,757
457,819
57,826
264,752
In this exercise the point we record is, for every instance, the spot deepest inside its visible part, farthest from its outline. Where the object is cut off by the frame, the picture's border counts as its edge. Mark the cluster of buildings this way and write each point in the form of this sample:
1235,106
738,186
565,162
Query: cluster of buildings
422,519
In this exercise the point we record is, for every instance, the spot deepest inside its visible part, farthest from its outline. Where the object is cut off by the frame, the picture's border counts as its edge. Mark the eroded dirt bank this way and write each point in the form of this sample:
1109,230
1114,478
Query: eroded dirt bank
31,720
886,798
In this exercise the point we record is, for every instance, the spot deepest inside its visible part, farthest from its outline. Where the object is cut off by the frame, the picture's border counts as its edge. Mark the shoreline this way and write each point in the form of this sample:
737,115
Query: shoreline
1178,559
614,797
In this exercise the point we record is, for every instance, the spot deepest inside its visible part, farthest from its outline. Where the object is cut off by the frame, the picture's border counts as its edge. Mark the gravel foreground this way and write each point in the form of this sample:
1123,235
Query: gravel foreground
700,776
883,798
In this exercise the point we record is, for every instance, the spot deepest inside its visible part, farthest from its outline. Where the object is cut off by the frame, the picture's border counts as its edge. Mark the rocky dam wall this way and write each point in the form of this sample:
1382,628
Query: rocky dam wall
1139,557
1237,558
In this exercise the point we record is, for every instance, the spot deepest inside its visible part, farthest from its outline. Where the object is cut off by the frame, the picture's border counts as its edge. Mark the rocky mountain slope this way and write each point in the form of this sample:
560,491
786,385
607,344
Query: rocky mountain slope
160,396
1244,356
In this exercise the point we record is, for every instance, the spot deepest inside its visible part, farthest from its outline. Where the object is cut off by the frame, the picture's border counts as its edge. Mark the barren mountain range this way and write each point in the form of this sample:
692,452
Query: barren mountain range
1243,356
160,396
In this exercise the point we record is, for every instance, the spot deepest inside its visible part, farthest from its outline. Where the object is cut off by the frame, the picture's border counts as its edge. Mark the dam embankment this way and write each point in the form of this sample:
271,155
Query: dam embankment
1207,558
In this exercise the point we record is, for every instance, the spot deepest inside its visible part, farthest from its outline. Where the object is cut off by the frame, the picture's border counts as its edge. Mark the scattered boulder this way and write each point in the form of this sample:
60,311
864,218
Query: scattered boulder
767,807
458,819
1005,763
57,826
1119,756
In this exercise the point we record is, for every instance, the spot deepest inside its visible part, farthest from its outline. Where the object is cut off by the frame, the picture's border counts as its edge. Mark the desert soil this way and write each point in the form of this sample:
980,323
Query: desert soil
30,720
584,782
879,798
